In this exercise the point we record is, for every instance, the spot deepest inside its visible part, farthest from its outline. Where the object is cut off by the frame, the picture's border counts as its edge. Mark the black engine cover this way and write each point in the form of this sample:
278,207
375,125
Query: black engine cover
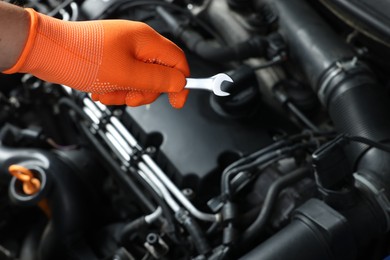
194,144
195,141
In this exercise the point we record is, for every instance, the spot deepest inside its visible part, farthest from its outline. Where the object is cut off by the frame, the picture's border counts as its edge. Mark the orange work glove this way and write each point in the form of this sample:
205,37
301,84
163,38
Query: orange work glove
118,61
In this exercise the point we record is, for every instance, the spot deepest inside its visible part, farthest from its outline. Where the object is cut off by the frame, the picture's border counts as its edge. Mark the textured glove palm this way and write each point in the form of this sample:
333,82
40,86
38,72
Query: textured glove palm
118,61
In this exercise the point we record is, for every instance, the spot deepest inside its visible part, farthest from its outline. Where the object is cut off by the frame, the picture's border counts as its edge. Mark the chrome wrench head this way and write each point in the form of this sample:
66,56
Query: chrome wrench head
213,84
217,84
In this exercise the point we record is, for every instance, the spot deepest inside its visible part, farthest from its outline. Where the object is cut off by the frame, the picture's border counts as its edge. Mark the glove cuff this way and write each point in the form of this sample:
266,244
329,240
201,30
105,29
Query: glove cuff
29,43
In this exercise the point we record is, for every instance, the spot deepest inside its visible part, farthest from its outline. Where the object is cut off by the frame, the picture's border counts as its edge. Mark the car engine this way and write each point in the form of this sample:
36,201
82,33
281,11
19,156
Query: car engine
293,164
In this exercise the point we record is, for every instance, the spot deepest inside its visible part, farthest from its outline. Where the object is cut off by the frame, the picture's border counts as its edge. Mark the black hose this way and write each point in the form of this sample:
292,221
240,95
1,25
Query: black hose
126,5
358,106
253,47
245,162
269,203
132,227
189,223
171,229
259,161
319,232
226,173
264,159
192,227
31,241
309,39
276,145
256,154
363,140
50,245
74,247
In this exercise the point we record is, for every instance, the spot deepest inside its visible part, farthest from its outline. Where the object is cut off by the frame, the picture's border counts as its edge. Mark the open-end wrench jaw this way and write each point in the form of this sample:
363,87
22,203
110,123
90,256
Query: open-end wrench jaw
213,84
219,79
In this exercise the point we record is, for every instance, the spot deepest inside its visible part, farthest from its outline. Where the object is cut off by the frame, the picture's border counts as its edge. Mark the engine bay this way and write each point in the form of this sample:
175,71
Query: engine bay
294,164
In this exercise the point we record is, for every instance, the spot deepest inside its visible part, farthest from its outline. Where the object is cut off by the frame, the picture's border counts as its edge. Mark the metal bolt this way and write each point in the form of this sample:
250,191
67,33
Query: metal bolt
151,150
117,112
189,193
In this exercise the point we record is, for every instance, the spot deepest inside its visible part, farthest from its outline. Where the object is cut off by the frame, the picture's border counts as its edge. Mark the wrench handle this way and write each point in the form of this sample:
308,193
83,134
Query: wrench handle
201,83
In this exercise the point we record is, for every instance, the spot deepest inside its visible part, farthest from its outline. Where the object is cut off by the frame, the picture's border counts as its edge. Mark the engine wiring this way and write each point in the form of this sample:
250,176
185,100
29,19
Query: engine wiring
275,151
124,176
277,60
312,180
258,226
130,179
369,142
257,160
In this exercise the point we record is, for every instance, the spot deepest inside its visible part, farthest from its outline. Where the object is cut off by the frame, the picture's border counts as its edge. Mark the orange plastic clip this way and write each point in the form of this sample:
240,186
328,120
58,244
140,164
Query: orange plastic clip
31,185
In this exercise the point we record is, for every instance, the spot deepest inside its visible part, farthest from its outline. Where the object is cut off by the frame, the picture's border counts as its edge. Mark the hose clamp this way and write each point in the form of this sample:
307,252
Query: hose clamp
335,70
379,194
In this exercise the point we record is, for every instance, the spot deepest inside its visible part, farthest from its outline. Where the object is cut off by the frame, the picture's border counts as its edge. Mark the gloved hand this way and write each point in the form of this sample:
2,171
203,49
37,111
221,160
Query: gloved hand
118,61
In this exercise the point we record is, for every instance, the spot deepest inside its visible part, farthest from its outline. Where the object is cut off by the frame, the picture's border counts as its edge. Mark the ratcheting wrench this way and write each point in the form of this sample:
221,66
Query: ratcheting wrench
213,84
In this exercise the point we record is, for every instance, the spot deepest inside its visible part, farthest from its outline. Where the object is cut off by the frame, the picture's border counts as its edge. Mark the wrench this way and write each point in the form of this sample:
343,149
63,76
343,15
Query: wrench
213,84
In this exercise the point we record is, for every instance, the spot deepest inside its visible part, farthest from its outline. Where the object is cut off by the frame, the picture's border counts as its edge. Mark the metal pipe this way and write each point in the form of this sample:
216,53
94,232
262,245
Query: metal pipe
150,183
301,116
154,168
124,132
165,193
91,115
154,215
59,7
114,144
98,109
116,129
118,137
75,11
177,193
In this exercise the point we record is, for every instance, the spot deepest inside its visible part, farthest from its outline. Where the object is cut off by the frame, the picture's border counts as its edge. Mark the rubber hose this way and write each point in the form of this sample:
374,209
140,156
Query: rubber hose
269,203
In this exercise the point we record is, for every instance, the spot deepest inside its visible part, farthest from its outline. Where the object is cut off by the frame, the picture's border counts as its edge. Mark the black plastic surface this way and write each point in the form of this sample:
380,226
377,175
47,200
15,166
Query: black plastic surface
369,17
197,142
316,232
195,139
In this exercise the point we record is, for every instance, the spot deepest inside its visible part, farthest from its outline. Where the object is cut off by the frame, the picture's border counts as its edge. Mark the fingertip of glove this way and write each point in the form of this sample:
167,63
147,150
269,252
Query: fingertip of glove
182,65
95,97
186,69
177,100
134,99
177,82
